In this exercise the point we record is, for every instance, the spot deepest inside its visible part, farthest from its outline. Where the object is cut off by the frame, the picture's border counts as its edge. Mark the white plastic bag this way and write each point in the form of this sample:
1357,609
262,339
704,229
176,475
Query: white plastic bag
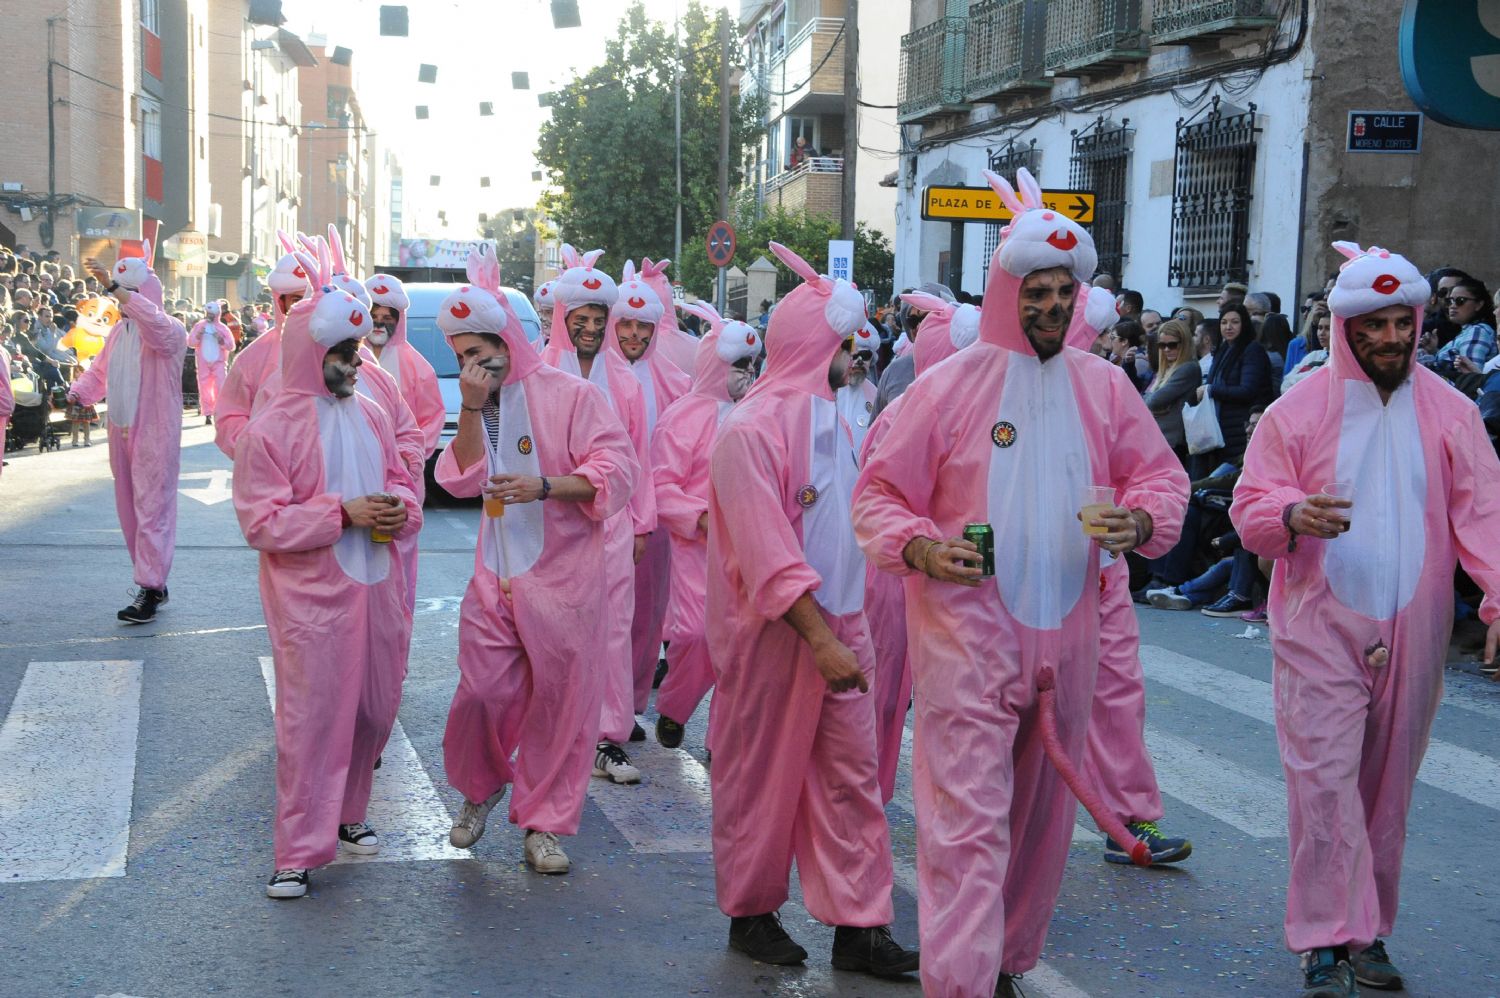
1201,425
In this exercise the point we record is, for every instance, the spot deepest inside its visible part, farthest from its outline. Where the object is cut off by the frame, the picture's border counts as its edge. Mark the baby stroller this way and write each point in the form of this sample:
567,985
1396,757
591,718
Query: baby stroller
32,422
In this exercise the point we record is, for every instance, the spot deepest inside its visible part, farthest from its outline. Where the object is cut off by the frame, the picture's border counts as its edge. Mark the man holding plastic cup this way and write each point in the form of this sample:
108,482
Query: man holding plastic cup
1361,606
994,819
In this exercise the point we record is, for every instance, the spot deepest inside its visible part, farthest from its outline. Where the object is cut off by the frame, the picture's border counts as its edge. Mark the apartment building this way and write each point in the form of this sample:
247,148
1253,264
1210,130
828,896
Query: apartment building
1222,140
339,160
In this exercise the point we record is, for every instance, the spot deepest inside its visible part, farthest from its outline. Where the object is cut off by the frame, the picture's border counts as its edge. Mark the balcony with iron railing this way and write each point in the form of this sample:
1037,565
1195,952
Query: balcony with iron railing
1091,36
814,185
1179,21
1003,50
931,81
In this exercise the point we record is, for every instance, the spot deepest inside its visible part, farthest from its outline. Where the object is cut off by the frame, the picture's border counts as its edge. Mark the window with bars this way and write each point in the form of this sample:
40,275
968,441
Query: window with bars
1006,160
1101,158
1211,193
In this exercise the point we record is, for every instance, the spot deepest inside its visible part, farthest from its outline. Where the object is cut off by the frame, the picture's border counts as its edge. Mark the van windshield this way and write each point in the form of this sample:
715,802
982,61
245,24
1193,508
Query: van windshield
422,332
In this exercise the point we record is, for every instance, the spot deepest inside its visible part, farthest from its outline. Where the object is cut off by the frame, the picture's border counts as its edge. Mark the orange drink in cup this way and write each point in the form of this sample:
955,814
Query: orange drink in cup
1097,500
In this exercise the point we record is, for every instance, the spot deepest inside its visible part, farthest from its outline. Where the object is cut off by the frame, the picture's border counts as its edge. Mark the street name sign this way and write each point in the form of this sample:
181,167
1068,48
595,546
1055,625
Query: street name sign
1384,131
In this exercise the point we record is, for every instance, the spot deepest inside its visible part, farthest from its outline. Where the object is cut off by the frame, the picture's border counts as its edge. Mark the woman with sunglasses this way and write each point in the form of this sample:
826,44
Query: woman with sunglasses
1177,377
1469,307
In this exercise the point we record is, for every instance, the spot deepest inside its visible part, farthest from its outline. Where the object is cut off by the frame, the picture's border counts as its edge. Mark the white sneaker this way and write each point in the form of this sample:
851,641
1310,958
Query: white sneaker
544,854
469,825
1168,599
611,762
287,884
359,838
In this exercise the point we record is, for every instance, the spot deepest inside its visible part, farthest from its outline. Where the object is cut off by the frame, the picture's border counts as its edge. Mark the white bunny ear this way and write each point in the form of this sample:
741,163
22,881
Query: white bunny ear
1002,187
798,266
927,303
288,245
146,250
1350,250
569,257
309,267
336,245
1031,191
592,257
628,273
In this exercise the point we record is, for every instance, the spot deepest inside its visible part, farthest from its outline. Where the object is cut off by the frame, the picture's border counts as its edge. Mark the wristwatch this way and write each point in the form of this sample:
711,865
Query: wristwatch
113,287
546,489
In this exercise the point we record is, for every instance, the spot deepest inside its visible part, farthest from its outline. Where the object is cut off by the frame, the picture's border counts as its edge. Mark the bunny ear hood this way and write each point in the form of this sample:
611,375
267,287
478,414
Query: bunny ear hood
583,283
388,291
721,347
1093,313
135,274
808,327
481,307
316,324
545,296
1369,281
945,331
1037,238
288,277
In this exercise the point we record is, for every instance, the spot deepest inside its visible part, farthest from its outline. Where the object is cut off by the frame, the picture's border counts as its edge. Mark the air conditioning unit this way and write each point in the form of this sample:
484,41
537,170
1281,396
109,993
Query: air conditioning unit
215,227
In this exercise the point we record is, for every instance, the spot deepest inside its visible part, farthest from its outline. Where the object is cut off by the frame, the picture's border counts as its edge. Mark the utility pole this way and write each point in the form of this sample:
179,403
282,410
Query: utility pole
722,298
49,228
677,120
851,116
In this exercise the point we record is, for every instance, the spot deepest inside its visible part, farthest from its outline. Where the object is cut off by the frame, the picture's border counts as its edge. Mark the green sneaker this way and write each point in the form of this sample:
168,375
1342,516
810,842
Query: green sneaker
1374,969
1326,976
1163,849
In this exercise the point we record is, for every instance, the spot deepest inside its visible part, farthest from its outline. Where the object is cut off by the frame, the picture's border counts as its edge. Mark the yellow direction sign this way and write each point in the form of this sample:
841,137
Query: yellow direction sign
980,204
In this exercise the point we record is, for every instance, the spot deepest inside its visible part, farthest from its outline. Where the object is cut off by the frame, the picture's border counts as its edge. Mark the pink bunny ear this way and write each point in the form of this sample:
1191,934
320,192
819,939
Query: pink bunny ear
706,312
569,257
310,268
628,274
336,244
479,264
147,250
308,244
656,269
1007,193
925,302
1031,191
287,243
591,257
325,263
798,266
1350,250
491,269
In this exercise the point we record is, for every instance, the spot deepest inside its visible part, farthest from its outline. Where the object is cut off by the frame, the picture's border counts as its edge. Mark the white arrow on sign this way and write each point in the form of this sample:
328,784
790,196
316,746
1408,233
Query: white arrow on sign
215,492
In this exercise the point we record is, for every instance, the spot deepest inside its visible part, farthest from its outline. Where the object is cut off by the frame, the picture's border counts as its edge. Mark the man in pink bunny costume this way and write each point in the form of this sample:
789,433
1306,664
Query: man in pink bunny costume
1117,762
1361,604
856,399
794,773
680,449
140,370
315,474
1059,420
947,328
398,358
580,321
258,361
636,322
549,449
212,343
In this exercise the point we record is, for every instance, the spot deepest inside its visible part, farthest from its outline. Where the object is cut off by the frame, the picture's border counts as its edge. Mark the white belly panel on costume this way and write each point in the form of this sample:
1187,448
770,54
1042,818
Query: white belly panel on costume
643,376
1374,568
123,376
1039,467
208,345
390,362
512,543
352,467
827,502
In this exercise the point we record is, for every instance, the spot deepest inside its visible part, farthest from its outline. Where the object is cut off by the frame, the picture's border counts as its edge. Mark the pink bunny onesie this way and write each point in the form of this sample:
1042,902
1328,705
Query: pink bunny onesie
794,772
1426,493
582,284
414,375
857,402
7,398
983,789
333,599
528,652
260,359
140,370
212,343
673,342
681,447
662,383
948,328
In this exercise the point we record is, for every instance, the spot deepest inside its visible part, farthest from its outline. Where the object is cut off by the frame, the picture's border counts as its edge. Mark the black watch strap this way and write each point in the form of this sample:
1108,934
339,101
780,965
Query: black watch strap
113,287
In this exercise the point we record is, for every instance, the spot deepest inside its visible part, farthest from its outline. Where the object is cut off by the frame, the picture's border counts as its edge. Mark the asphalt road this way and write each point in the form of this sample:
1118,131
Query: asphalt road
136,790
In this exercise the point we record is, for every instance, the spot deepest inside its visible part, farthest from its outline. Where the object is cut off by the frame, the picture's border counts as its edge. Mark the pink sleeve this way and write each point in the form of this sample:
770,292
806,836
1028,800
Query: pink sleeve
602,455
7,398
195,335
893,497
411,442
753,521
269,519
643,499
426,399
678,448
1474,507
1143,469
232,411
465,483
160,333
92,384
1267,485
396,480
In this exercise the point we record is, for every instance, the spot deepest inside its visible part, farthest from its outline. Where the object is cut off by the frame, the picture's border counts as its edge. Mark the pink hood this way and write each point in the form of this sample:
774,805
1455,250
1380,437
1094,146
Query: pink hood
581,284
316,324
1093,313
390,292
674,343
947,329
1037,238
638,301
481,307
1368,281
722,346
807,328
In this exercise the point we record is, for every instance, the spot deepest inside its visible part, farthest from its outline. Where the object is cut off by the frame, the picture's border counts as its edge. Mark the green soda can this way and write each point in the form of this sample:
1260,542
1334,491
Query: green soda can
982,536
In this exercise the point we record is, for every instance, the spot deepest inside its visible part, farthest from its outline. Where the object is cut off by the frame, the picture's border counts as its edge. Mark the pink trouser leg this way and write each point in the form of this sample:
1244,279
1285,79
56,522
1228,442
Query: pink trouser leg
617,706
652,584
690,676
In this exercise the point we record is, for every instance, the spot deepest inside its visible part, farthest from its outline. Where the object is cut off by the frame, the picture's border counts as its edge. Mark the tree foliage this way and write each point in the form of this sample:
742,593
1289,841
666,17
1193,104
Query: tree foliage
514,231
609,148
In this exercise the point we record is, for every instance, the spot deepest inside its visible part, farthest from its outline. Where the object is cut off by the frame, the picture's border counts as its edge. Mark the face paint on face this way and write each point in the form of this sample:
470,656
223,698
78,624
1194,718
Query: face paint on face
1382,343
1045,305
634,336
287,301
492,354
383,319
741,377
838,368
859,367
586,329
340,368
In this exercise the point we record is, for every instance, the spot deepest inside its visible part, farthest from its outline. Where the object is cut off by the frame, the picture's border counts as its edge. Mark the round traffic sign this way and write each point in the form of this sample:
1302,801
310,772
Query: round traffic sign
720,243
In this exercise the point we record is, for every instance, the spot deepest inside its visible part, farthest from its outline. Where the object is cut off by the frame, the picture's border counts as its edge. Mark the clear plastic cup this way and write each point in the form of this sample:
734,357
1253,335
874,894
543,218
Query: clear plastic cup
1341,490
1097,500
376,534
494,506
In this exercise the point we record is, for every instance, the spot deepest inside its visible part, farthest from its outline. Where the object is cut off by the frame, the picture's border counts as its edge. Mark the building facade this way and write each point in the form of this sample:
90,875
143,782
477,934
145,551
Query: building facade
336,151
1211,134
794,56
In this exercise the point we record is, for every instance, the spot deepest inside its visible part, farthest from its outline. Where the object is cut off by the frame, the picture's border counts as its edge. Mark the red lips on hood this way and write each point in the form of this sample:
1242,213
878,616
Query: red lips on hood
461,310
356,318
593,284
1063,240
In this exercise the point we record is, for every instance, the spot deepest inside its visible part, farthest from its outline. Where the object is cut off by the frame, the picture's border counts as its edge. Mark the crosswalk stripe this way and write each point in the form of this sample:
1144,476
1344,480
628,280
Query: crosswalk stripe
1217,786
1480,697
1452,768
67,771
669,811
405,809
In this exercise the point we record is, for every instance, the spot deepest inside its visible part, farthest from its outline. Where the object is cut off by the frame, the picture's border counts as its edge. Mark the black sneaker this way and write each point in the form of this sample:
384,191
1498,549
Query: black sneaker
1228,605
208,421
668,732
761,937
359,839
1139,595
661,673
1374,969
1007,987
1327,976
872,951
637,733
143,608
1163,849
287,884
